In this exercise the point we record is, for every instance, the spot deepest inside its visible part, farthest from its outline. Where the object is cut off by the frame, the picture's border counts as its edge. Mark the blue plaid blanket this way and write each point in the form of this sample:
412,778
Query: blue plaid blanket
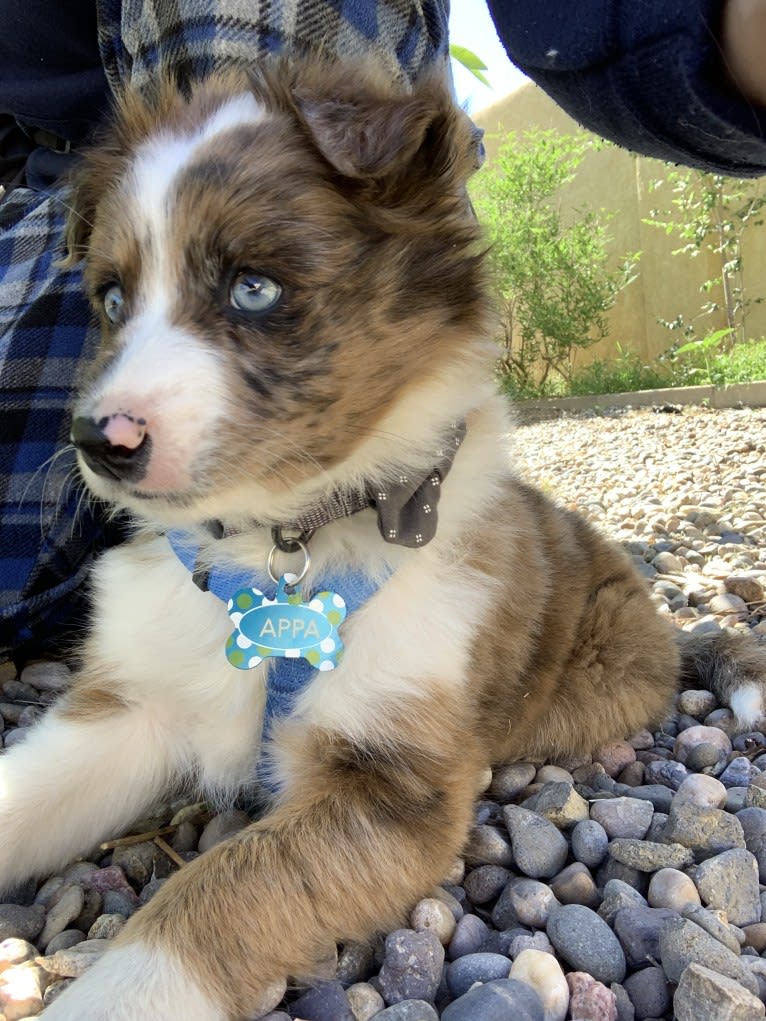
49,530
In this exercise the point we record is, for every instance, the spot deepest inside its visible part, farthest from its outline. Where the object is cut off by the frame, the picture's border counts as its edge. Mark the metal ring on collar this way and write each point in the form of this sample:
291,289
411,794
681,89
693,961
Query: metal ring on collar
289,543
296,579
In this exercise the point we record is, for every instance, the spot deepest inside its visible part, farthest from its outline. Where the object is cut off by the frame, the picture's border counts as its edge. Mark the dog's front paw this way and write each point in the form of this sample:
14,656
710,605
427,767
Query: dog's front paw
133,982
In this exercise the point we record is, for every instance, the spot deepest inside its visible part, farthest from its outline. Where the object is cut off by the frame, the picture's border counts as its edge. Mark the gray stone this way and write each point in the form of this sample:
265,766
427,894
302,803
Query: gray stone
753,822
705,758
487,844
682,943
623,1004
47,676
559,803
354,963
638,930
106,927
412,966
66,939
468,938
510,780
539,848
504,913
500,1000
537,941
703,791
667,772
703,993
185,838
650,993
408,1010
706,832
729,882
75,960
18,921
659,795
589,843
485,883
648,856
325,1002
697,702
623,817
671,888
711,923
532,901
575,885
586,942
221,826
119,902
65,908
462,973
739,773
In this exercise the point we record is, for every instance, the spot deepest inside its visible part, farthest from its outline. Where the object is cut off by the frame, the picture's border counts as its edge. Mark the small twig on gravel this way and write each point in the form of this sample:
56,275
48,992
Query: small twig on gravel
168,850
136,838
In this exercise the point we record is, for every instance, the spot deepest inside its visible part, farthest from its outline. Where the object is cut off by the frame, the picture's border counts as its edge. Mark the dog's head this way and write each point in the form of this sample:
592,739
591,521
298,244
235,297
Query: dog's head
279,261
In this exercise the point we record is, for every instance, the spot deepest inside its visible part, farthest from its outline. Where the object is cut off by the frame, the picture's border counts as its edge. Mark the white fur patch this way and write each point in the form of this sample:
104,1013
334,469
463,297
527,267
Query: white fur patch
133,982
78,780
158,164
168,638
747,704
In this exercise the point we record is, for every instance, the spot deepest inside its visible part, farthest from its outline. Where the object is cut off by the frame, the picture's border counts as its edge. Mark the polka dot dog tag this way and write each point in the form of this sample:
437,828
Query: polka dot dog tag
285,627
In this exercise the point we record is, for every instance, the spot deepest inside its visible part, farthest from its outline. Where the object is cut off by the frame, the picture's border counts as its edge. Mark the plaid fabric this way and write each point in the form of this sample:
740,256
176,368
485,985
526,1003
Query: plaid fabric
48,532
192,37
45,332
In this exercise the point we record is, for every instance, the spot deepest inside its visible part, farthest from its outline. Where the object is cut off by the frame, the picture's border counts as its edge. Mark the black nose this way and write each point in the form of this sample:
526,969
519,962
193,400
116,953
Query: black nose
112,461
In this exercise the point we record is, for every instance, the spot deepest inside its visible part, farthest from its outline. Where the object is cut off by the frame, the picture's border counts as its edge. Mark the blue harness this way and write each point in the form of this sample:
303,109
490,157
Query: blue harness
286,678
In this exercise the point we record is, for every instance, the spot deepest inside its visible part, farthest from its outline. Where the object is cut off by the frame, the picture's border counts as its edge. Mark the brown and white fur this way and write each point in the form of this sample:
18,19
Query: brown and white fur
350,193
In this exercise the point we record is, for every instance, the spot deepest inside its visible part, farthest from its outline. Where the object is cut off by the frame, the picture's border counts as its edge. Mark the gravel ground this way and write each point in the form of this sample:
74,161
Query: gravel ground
625,886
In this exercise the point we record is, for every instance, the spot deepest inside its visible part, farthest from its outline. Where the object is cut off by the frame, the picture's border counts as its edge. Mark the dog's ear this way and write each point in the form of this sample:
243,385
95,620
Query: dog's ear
83,195
367,137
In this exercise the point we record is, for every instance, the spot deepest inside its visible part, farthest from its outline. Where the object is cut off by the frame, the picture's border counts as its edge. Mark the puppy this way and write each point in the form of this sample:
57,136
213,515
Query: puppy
337,587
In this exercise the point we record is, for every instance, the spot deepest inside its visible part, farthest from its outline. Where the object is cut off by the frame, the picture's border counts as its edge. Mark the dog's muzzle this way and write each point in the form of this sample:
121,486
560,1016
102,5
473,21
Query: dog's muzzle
120,462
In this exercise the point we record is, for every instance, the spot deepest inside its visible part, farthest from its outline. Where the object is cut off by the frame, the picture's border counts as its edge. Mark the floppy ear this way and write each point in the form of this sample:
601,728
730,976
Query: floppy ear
368,137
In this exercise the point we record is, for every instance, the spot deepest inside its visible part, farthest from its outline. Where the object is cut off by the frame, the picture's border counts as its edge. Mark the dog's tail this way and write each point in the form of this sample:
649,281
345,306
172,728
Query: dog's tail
732,665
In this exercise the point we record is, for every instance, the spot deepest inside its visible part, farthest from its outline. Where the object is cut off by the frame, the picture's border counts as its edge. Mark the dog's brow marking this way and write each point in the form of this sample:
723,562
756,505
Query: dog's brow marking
158,163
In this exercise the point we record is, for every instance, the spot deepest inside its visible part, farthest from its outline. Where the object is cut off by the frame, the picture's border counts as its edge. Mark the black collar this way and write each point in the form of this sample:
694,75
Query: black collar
406,507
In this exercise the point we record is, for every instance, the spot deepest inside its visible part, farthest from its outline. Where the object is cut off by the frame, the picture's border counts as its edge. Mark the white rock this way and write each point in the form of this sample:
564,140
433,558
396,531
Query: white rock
365,1001
543,973
434,916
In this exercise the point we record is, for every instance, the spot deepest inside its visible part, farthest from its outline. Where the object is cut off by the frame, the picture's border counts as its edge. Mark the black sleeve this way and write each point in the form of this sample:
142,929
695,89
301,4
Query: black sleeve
648,74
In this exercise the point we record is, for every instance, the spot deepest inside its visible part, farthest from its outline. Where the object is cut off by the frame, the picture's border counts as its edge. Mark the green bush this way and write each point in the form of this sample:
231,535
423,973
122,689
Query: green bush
627,373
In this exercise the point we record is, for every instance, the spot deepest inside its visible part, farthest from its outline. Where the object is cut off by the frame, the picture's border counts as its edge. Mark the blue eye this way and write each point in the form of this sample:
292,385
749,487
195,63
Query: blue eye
253,292
114,304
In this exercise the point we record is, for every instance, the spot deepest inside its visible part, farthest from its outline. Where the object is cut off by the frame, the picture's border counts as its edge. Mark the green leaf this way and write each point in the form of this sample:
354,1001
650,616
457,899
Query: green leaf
470,62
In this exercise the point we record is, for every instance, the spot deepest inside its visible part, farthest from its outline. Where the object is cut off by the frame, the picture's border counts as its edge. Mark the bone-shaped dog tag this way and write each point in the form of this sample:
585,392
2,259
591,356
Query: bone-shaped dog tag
285,627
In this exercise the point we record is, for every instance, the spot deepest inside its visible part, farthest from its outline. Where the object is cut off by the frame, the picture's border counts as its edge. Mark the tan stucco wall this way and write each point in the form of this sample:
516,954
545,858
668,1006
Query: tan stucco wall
619,181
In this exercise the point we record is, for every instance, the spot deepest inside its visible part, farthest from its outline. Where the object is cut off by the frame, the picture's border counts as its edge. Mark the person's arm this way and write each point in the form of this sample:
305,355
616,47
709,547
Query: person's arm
684,80
743,36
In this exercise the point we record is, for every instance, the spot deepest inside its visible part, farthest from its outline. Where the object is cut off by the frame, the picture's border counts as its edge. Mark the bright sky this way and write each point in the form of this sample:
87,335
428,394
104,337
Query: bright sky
471,26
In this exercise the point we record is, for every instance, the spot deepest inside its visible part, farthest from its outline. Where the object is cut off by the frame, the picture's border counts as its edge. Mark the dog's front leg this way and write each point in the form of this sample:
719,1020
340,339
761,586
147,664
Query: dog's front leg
85,771
365,827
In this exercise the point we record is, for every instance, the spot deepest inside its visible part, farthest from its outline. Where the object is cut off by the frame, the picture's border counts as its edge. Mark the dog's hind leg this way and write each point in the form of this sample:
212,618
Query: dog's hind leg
732,666
76,779
364,829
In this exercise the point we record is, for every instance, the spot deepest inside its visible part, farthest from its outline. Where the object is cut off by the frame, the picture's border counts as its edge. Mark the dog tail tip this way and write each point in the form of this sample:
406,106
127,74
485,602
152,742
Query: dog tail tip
747,704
